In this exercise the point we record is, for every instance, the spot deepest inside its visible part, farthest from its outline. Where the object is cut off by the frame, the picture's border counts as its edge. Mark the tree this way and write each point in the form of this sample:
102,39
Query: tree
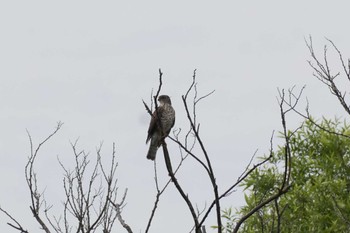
90,201
318,200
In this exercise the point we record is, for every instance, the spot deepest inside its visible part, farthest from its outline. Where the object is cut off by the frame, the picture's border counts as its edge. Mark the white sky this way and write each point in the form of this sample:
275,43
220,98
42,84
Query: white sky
90,63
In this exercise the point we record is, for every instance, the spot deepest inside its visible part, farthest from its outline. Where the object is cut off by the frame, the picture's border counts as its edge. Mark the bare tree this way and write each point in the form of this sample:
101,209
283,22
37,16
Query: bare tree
90,203
186,147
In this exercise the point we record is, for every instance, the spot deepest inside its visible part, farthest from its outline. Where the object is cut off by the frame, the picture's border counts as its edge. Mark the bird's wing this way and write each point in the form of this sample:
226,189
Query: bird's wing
154,122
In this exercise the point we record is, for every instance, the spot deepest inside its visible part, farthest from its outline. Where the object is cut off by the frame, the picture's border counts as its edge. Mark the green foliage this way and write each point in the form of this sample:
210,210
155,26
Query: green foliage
229,218
319,200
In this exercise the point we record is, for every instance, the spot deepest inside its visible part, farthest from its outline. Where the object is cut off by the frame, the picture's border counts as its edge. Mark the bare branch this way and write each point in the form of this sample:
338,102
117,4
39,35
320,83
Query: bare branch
16,224
31,178
346,69
87,201
118,208
307,116
147,108
204,96
192,84
160,85
161,191
323,73
178,187
285,184
195,130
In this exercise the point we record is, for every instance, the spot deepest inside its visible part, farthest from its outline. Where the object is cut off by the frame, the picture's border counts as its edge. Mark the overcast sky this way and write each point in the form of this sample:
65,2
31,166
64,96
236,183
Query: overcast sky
89,64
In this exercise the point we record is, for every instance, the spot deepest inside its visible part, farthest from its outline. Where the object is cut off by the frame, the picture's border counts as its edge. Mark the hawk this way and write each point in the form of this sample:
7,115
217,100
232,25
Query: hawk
163,119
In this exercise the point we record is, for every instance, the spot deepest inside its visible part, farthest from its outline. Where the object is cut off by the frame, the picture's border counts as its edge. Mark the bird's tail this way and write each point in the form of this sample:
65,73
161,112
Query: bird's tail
152,152
153,147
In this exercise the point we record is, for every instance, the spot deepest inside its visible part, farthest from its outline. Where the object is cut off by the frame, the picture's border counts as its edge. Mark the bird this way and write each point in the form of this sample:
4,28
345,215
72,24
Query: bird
163,119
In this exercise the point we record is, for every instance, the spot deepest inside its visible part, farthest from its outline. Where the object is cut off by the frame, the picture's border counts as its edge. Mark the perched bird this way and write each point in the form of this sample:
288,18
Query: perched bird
162,121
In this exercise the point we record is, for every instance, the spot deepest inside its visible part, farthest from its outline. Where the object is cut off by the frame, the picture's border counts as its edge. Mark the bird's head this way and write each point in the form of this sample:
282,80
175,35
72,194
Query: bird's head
164,99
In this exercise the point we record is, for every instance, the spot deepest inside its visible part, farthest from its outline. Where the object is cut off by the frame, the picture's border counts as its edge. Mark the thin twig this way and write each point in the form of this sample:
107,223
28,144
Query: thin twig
18,226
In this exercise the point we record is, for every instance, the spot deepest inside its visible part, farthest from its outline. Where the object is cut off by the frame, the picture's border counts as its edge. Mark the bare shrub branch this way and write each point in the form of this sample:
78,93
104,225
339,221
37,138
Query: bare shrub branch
323,73
91,202
16,225
90,193
31,178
